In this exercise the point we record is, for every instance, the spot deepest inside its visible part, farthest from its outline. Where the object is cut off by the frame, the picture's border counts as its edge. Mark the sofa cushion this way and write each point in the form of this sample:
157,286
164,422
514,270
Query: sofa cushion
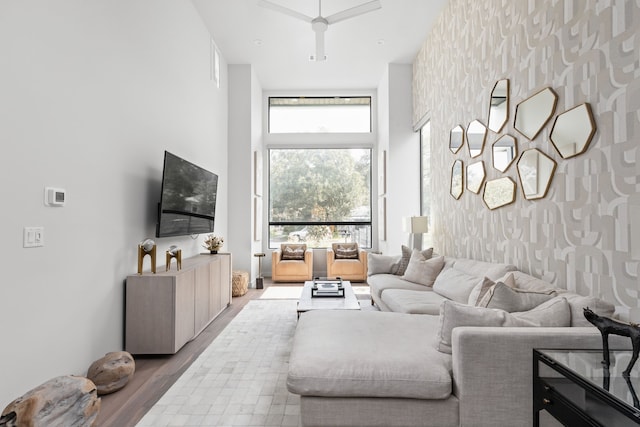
412,302
492,270
378,355
345,250
510,299
529,283
381,264
455,284
452,315
403,262
378,283
421,270
550,314
578,302
293,251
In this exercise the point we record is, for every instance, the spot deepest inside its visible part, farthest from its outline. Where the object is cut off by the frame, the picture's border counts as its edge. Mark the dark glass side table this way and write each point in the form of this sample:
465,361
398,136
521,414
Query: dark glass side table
577,390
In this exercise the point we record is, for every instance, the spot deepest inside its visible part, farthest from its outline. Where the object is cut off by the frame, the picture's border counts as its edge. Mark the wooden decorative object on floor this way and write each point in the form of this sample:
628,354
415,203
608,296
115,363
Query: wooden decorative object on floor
147,247
62,401
112,372
174,252
240,283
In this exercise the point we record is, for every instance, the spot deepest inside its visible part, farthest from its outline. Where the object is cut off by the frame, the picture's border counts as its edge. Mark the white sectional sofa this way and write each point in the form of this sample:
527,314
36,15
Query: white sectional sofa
430,358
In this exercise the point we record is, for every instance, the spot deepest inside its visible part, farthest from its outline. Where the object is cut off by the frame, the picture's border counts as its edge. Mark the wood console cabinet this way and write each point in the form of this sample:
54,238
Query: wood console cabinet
166,310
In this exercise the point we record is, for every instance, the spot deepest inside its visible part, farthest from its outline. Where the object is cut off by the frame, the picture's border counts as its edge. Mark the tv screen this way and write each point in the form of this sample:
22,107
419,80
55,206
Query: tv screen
188,198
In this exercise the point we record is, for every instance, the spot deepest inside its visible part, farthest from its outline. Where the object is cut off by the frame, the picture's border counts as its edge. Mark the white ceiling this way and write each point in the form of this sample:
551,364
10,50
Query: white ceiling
358,49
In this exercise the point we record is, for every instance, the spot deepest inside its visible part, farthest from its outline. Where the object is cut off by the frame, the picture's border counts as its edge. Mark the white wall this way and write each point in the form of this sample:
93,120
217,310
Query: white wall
403,154
245,136
92,95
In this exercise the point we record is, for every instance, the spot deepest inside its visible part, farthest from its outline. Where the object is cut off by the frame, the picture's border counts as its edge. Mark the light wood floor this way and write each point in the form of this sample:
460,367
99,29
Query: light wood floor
155,374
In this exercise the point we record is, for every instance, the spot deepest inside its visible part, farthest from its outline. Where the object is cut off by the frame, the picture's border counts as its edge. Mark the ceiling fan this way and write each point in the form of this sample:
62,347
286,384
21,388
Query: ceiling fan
320,23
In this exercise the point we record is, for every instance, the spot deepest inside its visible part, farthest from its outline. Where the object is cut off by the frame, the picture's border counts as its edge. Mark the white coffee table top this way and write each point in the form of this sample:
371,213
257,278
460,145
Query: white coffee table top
307,303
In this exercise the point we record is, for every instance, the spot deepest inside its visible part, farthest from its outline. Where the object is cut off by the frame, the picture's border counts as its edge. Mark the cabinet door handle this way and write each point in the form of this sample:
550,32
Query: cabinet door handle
546,401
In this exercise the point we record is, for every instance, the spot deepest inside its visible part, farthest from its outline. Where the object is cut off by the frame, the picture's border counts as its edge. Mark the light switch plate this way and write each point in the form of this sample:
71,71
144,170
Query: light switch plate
33,237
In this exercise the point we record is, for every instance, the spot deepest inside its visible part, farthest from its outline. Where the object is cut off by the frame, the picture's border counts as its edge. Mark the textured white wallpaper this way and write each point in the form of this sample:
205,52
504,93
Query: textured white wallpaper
585,234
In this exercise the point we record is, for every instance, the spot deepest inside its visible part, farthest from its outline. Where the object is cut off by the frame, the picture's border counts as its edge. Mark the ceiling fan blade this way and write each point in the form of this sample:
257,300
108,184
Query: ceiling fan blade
354,11
273,6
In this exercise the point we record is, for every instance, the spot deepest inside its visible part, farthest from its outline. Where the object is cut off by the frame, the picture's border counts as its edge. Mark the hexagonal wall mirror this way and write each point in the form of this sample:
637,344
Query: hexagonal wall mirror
504,152
499,106
499,192
456,139
476,134
572,131
475,176
457,178
533,113
535,170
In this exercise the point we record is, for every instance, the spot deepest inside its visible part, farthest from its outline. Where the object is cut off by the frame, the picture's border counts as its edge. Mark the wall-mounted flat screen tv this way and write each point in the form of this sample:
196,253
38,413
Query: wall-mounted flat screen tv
188,198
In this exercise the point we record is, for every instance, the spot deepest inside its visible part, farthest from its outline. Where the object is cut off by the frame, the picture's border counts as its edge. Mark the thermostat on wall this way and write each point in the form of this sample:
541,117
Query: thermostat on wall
54,196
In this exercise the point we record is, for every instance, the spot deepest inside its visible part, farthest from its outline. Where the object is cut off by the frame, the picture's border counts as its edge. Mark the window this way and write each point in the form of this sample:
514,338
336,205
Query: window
320,196
320,114
425,178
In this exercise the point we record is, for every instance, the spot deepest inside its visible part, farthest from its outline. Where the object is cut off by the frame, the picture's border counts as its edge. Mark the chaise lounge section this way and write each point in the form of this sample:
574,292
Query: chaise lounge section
465,365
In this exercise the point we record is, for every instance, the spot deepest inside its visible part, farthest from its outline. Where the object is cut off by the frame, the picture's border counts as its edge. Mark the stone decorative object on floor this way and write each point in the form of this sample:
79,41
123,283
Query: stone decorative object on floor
112,372
62,401
240,282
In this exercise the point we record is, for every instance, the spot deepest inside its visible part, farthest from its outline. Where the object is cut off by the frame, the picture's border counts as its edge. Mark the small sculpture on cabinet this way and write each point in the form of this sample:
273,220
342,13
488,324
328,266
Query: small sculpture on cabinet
174,252
147,247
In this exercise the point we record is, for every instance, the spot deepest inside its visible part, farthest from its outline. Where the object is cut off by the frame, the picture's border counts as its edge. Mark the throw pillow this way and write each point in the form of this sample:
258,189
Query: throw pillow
455,284
453,314
509,299
402,264
481,289
554,313
380,264
293,252
423,271
345,250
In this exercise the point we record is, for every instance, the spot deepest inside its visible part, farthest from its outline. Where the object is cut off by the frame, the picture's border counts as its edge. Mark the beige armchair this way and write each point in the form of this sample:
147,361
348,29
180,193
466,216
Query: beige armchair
347,261
292,263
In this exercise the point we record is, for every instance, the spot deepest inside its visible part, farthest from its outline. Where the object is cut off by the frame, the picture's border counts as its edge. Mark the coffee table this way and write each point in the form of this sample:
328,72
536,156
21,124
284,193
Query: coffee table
307,303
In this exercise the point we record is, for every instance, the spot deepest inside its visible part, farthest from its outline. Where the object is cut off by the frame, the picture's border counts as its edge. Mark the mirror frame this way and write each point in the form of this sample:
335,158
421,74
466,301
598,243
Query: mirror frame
590,122
453,168
478,186
515,152
551,174
451,139
546,120
492,109
488,184
484,138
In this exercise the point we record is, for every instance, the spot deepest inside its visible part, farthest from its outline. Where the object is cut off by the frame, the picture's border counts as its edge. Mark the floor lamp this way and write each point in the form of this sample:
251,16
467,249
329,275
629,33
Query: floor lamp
419,226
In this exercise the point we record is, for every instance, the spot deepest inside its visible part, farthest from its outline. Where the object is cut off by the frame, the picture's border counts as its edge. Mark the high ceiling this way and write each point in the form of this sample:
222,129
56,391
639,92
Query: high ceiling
358,49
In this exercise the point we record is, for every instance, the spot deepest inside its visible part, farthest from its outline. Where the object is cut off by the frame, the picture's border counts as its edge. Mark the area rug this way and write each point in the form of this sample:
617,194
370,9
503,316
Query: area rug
282,292
240,379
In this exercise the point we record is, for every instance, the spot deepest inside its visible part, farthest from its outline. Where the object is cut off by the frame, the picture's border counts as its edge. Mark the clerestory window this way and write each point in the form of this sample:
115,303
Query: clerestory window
336,114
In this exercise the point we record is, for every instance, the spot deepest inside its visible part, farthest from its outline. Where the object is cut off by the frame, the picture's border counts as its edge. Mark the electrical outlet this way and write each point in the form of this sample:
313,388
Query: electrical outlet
33,237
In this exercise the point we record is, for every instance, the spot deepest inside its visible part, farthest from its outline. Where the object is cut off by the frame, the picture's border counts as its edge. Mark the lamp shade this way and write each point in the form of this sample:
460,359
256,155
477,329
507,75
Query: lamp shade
419,224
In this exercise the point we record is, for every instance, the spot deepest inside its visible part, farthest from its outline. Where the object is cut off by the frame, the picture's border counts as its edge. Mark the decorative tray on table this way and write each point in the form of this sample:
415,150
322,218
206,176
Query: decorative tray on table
324,287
